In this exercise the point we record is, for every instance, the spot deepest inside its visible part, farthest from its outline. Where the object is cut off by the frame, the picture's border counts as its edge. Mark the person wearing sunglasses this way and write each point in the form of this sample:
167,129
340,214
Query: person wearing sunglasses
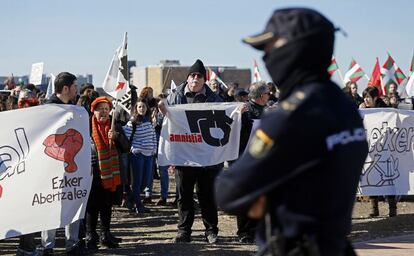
195,90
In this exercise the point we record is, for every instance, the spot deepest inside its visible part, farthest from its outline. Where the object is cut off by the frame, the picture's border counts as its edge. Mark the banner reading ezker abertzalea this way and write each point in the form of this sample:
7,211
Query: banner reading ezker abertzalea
389,167
45,168
200,134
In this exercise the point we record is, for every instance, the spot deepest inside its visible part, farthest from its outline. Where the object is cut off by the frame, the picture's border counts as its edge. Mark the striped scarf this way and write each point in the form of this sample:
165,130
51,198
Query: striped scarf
108,161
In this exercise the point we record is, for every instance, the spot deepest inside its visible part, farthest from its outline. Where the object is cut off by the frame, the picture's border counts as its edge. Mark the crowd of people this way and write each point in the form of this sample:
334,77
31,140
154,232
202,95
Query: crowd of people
372,98
128,179
279,205
125,176
124,160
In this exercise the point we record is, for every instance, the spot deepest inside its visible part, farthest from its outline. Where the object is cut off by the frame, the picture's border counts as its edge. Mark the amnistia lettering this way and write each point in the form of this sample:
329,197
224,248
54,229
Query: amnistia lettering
345,137
392,139
191,138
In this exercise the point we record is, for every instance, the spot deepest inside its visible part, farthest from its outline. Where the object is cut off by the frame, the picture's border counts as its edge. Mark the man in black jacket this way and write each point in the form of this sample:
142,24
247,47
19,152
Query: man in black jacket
301,150
65,93
194,90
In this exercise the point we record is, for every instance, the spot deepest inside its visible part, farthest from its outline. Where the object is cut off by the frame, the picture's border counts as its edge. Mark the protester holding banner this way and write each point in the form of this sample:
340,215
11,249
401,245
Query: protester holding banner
65,93
194,90
143,148
106,178
299,151
372,100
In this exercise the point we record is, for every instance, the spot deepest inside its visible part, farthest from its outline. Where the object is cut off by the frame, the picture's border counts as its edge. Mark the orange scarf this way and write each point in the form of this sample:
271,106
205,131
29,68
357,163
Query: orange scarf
107,156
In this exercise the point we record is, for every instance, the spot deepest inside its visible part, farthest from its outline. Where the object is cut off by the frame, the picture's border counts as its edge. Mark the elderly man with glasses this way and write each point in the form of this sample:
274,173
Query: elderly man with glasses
195,90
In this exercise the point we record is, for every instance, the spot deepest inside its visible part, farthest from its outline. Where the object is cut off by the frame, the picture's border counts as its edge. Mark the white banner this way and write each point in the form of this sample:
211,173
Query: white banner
200,134
389,167
45,168
36,73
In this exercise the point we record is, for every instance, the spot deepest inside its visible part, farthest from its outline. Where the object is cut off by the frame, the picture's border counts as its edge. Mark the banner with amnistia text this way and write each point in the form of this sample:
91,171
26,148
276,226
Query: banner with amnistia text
389,167
45,168
201,134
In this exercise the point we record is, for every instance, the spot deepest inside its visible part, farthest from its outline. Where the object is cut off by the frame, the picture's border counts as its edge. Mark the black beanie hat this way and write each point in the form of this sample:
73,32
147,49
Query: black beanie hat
198,67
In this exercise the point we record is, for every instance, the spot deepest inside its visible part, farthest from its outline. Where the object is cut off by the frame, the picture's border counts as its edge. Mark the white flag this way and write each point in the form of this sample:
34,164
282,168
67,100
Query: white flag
116,80
409,87
200,134
36,73
51,86
173,85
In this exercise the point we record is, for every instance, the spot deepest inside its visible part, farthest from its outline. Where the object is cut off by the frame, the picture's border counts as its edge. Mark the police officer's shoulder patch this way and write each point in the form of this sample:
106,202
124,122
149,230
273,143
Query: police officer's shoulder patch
294,101
261,144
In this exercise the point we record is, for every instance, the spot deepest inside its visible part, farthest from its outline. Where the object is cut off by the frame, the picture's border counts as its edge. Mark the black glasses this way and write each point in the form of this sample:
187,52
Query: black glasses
199,75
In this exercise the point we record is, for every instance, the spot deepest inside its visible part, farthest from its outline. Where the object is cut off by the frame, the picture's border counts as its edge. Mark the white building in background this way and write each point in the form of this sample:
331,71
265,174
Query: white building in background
159,76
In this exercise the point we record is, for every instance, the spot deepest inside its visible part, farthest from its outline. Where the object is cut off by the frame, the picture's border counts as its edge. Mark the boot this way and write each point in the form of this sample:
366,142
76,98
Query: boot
91,240
114,238
374,207
106,240
392,205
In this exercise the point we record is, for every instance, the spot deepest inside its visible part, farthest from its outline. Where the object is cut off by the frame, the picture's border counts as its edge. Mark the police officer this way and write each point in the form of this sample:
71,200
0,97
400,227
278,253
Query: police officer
301,170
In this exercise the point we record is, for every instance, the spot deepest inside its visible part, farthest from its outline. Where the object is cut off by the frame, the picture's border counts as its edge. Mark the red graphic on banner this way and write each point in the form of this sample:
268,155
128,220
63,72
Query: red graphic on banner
64,147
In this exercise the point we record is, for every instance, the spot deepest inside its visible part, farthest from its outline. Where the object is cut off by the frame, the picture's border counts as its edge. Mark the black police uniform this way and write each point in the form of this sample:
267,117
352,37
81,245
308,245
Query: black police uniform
308,154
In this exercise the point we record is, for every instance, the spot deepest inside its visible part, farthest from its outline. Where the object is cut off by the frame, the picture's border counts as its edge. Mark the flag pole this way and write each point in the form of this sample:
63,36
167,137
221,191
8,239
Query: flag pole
166,78
118,96
382,85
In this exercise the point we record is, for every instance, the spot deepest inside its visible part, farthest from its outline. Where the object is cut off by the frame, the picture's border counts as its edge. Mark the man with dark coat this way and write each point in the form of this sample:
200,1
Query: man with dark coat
65,93
194,90
301,150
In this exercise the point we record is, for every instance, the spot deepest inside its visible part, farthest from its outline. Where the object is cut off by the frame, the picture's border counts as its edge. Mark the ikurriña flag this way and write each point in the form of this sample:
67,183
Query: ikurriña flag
333,67
354,72
391,72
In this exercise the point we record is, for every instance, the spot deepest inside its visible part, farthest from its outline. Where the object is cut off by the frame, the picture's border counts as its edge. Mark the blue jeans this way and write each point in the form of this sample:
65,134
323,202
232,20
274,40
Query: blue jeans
141,170
149,178
164,181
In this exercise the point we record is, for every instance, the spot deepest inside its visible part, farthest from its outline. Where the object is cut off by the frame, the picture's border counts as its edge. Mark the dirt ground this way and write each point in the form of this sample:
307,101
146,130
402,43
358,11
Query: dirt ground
152,233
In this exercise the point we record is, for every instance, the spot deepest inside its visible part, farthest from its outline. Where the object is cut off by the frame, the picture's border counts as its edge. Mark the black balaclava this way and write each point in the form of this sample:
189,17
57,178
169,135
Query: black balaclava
303,60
